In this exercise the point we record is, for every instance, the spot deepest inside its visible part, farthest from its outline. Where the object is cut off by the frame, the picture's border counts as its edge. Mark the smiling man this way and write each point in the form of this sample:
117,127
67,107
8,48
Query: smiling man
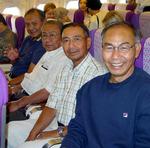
113,110
62,100
37,84
31,50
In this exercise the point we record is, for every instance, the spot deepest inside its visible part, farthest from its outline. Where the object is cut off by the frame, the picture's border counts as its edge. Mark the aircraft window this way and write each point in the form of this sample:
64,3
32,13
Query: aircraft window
12,10
72,5
122,1
41,6
104,1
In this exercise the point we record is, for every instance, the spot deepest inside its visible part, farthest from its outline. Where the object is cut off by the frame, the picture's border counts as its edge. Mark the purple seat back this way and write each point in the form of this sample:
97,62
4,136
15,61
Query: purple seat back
129,16
98,46
144,21
146,55
139,60
111,7
20,28
130,7
135,20
78,16
8,21
143,61
92,35
3,101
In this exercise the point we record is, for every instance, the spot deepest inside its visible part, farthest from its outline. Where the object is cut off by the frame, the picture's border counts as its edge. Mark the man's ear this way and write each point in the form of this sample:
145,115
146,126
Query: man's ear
138,49
88,42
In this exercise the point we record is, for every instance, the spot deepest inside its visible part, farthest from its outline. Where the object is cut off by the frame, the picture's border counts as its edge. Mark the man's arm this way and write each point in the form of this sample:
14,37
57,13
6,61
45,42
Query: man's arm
51,134
46,117
76,136
38,97
19,79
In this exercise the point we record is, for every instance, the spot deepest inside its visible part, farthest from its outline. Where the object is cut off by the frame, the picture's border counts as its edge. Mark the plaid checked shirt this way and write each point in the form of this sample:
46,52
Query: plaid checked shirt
69,81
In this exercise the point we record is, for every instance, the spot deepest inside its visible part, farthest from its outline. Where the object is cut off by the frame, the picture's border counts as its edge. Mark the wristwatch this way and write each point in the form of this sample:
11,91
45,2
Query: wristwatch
60,131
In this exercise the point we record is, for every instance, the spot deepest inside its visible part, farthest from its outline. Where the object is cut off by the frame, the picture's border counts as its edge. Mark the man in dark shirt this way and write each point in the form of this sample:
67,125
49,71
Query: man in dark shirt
31,50
113,110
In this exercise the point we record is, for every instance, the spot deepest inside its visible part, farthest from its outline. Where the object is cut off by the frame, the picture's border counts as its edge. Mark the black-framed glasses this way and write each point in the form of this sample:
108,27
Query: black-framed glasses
124,47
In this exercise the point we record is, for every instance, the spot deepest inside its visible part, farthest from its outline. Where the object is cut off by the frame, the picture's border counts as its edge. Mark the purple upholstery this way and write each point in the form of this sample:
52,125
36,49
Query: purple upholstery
130,7
92,34
139,60
144,21
143,61
8,21
111,7
135,20
78,16
98,46
129,16
20,28
3,101
146,55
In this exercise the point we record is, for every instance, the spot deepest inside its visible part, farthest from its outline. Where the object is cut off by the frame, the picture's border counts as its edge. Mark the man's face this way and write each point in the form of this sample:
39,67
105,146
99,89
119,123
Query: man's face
75,44
120,61
51,37
50,14
33,24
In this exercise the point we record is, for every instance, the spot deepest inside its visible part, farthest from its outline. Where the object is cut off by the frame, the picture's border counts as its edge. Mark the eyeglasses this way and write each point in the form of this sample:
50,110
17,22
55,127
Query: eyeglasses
74,39
123,48
51,35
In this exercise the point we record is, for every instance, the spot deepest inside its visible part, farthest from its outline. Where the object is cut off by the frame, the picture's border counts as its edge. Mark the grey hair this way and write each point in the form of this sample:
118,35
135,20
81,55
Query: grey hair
135,31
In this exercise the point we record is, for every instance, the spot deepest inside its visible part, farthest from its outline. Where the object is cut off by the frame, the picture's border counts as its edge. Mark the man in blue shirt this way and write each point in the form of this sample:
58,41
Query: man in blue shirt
113,110
31,50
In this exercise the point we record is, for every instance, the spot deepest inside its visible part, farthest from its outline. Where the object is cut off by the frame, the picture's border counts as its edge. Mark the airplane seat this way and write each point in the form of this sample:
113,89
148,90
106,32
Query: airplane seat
8,21
3,101
111,7
143,61
98,46
144,22
119,6
135,20
130,7
20,30
92,35
128,17
78,16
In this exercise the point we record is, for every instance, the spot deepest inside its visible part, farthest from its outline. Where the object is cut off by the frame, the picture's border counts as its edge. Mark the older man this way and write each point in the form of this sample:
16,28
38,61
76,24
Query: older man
113,110
62,100
31,50
38,83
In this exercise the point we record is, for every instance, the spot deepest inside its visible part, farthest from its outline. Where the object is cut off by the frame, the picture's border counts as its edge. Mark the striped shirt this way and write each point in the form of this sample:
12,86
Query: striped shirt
69,81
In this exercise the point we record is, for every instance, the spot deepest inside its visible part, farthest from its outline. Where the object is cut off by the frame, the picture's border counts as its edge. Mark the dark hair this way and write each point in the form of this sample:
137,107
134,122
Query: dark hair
135,31
2,20
82,26
54,22
94,4
34,10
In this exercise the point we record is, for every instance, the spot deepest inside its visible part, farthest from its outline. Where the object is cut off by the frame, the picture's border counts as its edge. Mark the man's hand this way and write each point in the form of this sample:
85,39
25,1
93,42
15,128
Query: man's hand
47,134
13,106
32,136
